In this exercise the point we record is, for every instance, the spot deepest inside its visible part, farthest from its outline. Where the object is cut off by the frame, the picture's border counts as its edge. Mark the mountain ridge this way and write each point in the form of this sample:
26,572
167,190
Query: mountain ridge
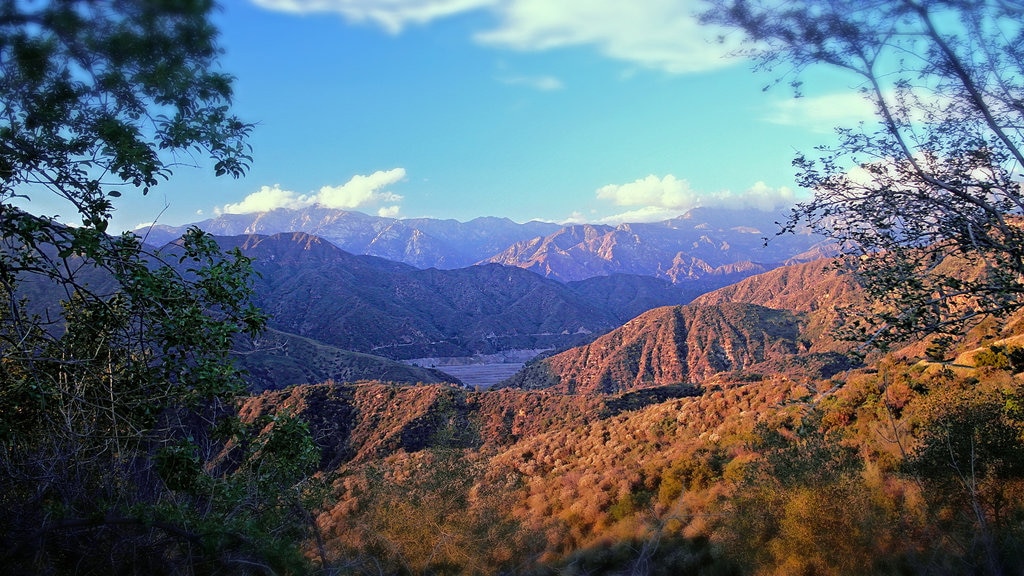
777,322
311,288
702,243
421,242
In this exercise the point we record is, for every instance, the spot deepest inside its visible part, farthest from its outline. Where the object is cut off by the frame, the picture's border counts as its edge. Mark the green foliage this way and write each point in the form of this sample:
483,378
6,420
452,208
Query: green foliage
804,455
803,507
971,459
126,420
119,448
1003,357
668,557
92,90
431,514
972,434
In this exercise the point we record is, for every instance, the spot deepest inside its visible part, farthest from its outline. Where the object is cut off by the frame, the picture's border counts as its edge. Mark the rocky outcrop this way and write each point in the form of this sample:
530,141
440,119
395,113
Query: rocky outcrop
701,245
667,346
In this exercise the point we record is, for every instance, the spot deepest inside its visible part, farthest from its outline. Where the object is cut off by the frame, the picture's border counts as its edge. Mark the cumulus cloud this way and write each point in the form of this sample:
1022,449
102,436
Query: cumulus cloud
389,211
266,199
359,192
659,34
763,197
667,192
645,214
656,198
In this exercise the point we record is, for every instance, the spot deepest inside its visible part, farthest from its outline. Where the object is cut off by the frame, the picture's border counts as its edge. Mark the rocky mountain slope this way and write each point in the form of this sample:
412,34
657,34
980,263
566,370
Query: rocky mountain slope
629,295
702,244
614,484
604,460
777,322
817,290
365,421
421,242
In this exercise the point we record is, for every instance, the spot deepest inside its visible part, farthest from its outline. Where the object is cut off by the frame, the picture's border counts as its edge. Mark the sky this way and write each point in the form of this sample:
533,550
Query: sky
598,111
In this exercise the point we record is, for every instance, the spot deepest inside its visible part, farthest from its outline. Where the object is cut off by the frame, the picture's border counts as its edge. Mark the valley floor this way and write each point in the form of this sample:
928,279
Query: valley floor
483,370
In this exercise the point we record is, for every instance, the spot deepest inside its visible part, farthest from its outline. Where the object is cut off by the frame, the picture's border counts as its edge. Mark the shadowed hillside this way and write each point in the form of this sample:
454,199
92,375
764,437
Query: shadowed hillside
311,288
278,359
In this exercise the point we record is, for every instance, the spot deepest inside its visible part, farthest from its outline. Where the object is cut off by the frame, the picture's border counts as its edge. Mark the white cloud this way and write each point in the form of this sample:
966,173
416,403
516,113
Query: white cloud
576,217
822,113
389,211
659,34
667,192
645,214
542,83
266,199
653,199
391,15
359,192
762,197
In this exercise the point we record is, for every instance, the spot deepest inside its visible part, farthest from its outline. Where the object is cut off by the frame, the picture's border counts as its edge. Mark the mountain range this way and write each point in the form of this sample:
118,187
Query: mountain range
420,242
311,288
667,407
738,405
618,333
725,245
343,316
553,291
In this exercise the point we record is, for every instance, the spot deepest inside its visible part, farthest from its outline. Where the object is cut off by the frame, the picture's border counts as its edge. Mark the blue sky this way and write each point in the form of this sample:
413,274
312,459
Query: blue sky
578,110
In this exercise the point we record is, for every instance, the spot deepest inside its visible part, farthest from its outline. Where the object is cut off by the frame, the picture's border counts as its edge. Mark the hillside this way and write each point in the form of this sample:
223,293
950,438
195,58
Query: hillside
328,304
693,482
721,436
629,295
817,289
802,287
276,359
311,288
776,322
676,345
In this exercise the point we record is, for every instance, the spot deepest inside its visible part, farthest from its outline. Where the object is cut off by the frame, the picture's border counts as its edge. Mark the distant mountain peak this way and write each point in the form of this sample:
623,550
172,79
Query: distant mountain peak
718,239
698,245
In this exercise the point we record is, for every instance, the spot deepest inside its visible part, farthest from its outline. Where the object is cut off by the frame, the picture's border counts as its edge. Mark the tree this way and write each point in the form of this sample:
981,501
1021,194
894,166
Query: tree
119,448
970,456
927,200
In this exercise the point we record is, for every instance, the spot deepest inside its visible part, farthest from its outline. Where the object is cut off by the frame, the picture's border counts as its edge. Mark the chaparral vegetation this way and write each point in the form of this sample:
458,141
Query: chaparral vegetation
862,414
